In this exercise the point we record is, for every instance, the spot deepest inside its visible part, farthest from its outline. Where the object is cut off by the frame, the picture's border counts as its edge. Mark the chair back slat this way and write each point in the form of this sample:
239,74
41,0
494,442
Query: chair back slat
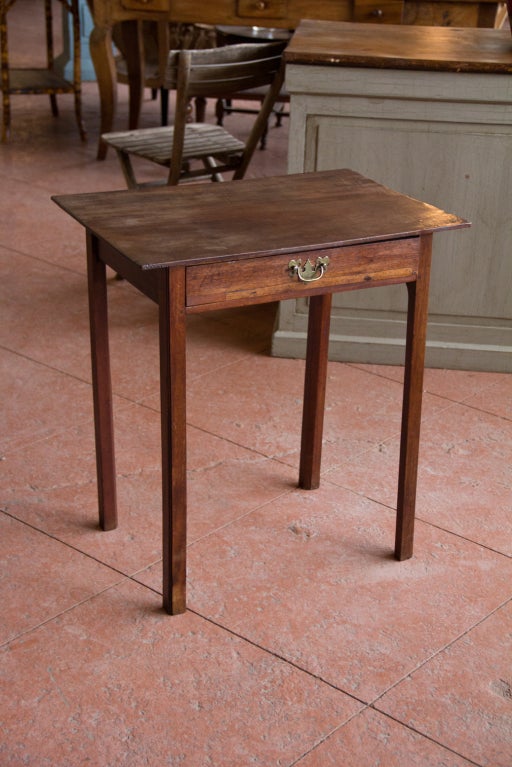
227,70
219,73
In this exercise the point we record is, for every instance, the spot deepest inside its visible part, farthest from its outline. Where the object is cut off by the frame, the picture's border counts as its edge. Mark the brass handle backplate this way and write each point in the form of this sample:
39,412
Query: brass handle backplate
309,272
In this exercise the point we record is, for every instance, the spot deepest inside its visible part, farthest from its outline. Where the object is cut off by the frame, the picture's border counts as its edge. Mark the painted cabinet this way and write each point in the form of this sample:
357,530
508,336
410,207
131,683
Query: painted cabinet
444,137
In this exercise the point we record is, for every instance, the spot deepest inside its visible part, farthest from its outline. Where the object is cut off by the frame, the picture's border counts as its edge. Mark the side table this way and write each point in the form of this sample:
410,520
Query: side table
201,247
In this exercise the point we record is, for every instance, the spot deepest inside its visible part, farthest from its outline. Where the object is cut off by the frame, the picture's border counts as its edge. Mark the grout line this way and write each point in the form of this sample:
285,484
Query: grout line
276,655
435,654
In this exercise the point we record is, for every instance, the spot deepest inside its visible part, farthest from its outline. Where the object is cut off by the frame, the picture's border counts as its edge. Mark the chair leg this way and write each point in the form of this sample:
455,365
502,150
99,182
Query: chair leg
200,103
219,111
127,168
164,107
54,105
78,115
6,117
263,139
210,164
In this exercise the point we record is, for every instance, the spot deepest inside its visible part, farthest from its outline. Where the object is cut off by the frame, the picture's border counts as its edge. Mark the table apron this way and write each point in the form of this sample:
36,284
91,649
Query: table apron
263,279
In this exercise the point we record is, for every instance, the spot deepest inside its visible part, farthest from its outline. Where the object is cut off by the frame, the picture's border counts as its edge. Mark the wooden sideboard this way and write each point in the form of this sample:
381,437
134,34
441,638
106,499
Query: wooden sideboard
284,14
427,112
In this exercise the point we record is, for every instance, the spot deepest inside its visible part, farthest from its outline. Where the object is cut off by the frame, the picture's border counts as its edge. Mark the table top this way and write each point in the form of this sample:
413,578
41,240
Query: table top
391,46
203,223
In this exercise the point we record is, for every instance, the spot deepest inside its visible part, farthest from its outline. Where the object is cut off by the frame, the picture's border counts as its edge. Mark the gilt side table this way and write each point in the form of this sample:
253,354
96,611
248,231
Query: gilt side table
201,247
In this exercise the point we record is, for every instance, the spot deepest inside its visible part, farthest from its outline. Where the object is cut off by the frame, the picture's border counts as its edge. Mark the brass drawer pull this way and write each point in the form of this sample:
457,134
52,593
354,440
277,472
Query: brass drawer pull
308,272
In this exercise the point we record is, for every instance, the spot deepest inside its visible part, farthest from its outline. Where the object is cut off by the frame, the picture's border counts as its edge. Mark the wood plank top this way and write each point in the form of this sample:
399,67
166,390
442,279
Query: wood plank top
391,46
202,223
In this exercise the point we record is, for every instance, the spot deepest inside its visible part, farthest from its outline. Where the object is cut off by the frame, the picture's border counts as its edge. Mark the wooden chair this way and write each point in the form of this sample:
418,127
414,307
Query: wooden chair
202,74
230,35
41,80
157,38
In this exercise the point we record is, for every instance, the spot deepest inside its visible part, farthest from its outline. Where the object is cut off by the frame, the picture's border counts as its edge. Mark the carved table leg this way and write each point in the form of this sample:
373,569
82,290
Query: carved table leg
100,44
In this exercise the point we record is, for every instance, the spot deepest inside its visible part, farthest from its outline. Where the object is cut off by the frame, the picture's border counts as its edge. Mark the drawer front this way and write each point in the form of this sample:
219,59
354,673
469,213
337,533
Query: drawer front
272,279
145,5
266,9
385,12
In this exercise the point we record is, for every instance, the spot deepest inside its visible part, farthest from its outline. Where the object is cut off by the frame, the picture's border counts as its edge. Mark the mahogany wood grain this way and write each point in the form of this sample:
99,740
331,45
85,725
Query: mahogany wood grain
102,386
158,239
250,281
283,14
314,391
444,49
417,315
237,221
173,425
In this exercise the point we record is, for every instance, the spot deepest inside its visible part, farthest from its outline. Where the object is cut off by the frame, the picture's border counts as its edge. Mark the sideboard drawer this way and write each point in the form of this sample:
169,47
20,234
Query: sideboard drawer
386,11
270,279
266,9
145,5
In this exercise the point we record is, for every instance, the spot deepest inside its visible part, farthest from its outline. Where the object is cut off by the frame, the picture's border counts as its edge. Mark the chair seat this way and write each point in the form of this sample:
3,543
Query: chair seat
155,144
203,74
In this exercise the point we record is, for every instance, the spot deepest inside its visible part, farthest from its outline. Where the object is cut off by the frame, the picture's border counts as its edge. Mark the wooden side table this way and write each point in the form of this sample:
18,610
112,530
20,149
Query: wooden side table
41,80
202,247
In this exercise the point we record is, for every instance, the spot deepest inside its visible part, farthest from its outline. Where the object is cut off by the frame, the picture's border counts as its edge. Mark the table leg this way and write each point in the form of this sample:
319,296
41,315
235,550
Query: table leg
102,386
417,315
100,44
314,390
133,48
173,419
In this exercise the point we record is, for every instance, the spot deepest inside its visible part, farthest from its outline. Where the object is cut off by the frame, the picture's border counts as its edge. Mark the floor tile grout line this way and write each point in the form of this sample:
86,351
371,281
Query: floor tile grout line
485,546
46,365
464,402
365,704
277,655
437,653
68,545
57,615
427,737
373,704
476,409
38,259
386,716
418,518
233,442
326,737
242,516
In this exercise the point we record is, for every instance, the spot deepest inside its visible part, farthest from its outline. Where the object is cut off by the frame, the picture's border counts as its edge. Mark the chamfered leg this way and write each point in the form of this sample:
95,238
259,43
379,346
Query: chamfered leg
417,315
173,420
314,390
102,386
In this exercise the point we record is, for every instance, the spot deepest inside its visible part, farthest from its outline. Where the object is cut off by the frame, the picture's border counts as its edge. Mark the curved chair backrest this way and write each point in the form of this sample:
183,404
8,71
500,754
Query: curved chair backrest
218,73
229,69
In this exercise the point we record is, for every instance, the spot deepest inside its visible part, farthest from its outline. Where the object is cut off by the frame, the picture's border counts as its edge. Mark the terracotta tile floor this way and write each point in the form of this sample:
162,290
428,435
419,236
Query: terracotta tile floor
305,643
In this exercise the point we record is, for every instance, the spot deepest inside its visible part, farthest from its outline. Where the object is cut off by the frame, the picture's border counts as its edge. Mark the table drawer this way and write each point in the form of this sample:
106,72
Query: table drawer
386,11
265,9
145,5
273,278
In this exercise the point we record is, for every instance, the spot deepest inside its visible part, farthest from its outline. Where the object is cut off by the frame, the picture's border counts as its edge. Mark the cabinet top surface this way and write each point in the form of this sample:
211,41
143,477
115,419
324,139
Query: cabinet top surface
202,223
391,46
